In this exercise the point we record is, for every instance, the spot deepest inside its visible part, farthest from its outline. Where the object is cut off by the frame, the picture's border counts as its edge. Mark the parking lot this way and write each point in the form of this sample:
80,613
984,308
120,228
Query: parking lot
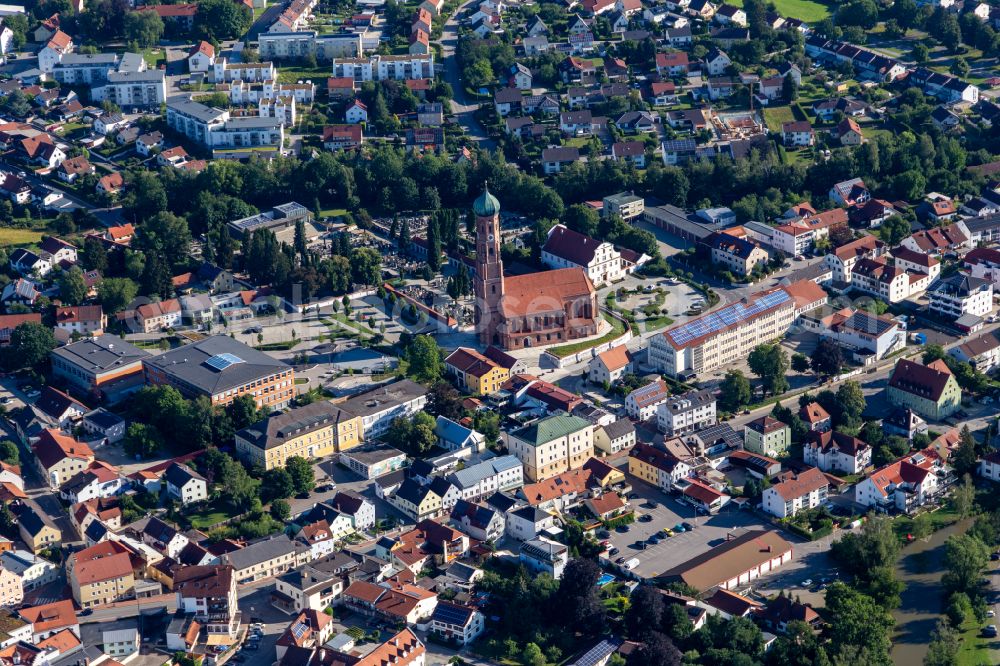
708,532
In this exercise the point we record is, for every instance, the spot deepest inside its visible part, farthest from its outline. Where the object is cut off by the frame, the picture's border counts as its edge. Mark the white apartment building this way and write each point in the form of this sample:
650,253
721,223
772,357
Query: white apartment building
960,295
385,67
686,413
901,486
806,491
641,403
723,336
842,260
224,71
982,352
566,248
214,128
552,445
483,479
378,407
892,284
836,452
144,89
84,68
243,93
32,570
294,45
989,467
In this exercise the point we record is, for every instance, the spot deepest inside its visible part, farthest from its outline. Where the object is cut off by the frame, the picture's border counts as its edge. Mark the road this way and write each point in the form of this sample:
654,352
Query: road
463,108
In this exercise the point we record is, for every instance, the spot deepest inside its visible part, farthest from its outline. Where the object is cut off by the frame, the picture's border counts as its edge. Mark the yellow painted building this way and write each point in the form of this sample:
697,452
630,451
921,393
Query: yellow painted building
311,432
474,372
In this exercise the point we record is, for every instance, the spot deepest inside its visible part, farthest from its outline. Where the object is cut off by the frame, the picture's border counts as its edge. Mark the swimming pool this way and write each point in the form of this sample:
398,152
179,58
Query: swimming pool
605,579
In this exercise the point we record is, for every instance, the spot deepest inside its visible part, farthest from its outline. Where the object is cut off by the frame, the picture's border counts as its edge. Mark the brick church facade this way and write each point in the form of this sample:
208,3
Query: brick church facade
534,310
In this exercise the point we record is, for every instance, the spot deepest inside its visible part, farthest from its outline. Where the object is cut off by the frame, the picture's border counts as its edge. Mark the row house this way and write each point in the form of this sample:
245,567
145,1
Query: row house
865,62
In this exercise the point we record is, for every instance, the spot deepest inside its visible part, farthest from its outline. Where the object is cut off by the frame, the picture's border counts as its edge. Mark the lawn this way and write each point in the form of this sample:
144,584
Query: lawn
975,649
19,237
154,57
213,514
805,10
774,116
293,74
332,212
656,323
566,350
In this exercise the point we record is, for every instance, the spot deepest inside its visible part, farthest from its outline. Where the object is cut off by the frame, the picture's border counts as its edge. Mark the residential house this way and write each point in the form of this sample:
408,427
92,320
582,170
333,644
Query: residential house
184,484
798,133
836,452
60,457
815,417
766,436
806,490
902,486
929,390
685,413
611,365
656,466
641,404
544,556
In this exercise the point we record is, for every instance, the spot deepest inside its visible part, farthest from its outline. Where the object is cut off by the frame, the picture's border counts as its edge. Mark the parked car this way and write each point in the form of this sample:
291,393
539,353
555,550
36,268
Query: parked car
645,518
807,583
679,527
990,631
688,526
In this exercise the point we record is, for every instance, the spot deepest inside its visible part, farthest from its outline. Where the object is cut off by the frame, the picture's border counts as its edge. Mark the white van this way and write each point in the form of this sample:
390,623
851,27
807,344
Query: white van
628,565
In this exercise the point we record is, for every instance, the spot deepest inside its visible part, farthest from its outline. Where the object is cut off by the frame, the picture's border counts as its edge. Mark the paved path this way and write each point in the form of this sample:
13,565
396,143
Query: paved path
461,105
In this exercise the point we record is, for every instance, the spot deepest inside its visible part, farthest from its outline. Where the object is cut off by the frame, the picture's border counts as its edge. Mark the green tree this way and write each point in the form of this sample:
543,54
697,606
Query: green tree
302,473
645,611
963,498
894,230
770,363
243,411
280,510
241,489
850,405
366,265
275,484
944,646
30,344
145,28
735,391
219,20
423,357
142,440
828,358
116,293
860,622
965,559
532,655
800,362
72,288
9,453
964,459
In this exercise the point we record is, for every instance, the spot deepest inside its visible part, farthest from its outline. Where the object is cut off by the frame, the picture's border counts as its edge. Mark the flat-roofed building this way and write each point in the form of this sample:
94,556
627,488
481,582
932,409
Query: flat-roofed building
104,365
378,407
222,369
280,217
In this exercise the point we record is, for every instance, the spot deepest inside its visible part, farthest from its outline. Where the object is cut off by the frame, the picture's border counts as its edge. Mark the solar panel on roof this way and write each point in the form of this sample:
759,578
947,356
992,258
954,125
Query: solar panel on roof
450,614
727,316
222,361
298,630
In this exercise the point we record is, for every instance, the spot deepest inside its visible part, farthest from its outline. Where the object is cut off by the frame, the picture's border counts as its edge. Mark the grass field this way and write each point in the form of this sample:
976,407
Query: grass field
566,350
214,514
805,10
774,116
19,236
975,649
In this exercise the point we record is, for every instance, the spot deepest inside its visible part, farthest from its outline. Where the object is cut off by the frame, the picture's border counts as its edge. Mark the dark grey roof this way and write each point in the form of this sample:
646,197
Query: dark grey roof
178,475
100,354
159,530
383,398
103,419
259,552
531,513
412,492
501,501
190,365
619,428
276,428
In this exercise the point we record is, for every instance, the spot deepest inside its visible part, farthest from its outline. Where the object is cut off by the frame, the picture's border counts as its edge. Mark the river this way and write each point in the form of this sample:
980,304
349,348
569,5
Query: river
920,568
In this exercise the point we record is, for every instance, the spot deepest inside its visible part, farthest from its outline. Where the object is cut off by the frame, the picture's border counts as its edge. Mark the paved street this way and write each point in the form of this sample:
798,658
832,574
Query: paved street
463,107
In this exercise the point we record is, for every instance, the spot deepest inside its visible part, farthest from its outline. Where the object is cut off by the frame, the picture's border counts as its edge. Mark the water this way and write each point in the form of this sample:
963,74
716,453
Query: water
605,579
920,568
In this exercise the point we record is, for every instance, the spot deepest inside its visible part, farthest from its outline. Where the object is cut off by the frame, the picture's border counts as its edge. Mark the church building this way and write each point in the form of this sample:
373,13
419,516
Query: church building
534,310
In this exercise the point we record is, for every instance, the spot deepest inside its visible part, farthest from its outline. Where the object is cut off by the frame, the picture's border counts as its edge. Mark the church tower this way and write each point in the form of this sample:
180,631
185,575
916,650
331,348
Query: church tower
488,285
